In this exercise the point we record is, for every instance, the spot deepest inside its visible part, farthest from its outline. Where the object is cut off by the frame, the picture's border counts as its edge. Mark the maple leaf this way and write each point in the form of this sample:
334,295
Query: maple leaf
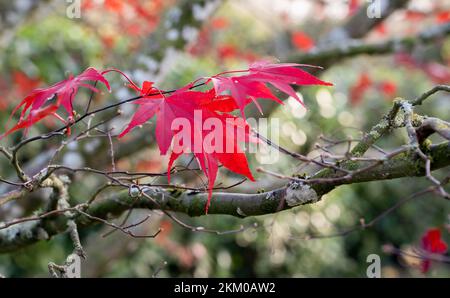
65,92
209,146
148,105
432,243
243,90
252,85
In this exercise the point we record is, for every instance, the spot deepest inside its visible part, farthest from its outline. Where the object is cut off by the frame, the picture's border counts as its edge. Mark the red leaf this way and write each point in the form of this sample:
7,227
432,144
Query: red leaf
219,23
432,243
302,41
242,89
443,17
227,51
114,5
381,29
353,6
24,83
251,85
357,91
147,106
437,72
196,108
65,91
414,16
33,117
388,88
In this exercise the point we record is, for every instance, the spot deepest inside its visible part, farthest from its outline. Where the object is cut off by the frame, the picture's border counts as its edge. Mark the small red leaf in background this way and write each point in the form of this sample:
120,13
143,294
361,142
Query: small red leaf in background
432,243
219,23
353,6
114,5
24,84
381,29
65,92
227,51
201,44
388,88
4,99
414,16
109,40
437,72
406,60
302,41
443,17
357,91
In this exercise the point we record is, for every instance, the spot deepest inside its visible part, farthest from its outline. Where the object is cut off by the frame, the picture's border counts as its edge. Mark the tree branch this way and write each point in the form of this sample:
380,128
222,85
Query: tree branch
406,164
329,55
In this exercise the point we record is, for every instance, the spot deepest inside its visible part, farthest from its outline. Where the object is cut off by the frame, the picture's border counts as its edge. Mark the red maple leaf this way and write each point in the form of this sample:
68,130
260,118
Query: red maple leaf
252,85
197,108
432,243
65,92
148,105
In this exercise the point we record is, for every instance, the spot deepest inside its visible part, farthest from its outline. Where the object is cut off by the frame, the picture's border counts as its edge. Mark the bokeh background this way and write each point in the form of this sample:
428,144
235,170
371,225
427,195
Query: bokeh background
174,42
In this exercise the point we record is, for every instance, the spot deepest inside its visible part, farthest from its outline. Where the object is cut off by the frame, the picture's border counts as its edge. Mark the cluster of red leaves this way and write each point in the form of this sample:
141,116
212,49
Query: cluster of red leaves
432,243
204,40
183,103
440,16
229,51
134,18
364,83
222,50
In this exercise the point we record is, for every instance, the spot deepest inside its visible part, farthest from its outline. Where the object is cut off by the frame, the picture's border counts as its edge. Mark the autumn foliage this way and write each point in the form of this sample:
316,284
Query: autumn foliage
228,91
